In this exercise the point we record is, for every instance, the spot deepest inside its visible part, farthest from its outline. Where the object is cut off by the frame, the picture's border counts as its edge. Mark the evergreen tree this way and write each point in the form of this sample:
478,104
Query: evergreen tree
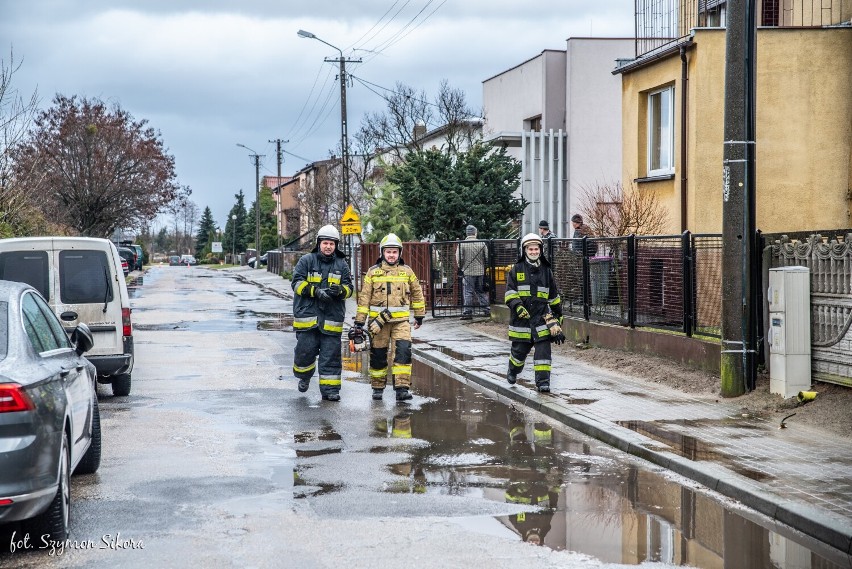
206,228
387,215
442,194
235,235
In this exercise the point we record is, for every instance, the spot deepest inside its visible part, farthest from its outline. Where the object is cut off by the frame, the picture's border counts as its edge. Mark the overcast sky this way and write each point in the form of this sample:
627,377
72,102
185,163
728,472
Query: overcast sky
210,74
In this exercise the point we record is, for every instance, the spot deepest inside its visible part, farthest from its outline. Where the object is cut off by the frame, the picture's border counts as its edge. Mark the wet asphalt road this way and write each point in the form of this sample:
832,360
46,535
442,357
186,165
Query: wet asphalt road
212,461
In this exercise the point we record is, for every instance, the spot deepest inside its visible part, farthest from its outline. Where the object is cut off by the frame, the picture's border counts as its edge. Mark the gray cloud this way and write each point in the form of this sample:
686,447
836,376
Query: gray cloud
209,74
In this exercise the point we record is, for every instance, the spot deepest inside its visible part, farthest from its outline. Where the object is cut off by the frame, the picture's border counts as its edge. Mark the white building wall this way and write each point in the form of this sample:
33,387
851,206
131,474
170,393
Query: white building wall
593,103
579,101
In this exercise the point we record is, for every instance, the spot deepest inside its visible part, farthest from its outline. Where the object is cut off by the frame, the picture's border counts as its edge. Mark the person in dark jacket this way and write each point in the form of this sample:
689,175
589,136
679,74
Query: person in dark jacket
535,310
321,284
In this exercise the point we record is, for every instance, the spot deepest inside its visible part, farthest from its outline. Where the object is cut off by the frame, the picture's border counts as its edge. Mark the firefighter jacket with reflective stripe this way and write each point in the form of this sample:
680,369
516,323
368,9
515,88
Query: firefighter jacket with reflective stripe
535,289
316,271
394,287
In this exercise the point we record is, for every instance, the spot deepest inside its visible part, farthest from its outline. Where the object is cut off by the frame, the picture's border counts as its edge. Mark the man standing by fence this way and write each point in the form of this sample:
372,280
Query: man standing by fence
472,256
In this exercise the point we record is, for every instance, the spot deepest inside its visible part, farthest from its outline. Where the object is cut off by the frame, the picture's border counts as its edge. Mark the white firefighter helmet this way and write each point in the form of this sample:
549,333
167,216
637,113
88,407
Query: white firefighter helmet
531,238
391,240
328,232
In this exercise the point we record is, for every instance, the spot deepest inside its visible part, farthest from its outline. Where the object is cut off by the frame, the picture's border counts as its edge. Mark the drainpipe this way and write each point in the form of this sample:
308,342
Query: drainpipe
684,79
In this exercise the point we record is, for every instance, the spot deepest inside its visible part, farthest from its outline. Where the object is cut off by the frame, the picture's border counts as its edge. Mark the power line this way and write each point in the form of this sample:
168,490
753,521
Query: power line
353,44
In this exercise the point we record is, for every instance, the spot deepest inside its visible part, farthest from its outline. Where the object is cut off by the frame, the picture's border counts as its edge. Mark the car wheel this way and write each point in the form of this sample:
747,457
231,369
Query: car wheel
54,521
91,461
121,385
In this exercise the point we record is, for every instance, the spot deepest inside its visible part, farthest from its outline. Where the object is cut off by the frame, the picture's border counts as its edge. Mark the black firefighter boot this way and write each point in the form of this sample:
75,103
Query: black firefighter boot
402,394
544,386
378,393
331,396
304,384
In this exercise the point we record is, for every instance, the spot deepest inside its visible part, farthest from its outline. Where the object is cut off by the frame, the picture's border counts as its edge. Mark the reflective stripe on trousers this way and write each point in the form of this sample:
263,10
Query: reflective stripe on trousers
312,347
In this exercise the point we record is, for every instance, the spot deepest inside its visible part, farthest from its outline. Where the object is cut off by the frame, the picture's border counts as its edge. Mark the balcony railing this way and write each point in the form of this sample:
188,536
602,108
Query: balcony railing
662,23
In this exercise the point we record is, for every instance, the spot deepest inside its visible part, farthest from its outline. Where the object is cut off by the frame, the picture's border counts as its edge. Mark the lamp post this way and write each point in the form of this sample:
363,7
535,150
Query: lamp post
344,139
234,237
257,158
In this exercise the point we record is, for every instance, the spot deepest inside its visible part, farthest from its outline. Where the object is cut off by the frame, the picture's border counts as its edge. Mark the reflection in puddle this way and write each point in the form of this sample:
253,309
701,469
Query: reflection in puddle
566,491
324,434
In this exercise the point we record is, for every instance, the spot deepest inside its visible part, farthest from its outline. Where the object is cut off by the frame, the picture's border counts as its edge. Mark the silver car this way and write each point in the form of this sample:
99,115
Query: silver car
49,420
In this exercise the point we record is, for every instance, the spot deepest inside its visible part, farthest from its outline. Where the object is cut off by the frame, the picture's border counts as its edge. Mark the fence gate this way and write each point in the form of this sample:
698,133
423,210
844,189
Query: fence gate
455,264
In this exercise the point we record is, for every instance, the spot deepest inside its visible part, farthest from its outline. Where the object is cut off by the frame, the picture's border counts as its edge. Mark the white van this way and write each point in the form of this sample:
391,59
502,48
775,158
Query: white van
82,280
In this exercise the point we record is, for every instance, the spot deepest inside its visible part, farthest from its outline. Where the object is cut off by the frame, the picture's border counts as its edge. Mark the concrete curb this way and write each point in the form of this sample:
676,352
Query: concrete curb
809,520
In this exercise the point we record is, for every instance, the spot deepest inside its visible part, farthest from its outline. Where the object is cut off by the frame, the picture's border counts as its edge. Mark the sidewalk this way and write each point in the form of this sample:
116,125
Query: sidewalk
801,476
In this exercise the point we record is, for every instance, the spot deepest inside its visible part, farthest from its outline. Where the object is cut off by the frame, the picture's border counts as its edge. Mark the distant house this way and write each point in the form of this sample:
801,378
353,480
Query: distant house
673,112
559,113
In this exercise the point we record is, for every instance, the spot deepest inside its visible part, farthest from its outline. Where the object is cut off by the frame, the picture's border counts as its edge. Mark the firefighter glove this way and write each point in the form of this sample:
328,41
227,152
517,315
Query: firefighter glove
522,312
335,290
419,320
323,295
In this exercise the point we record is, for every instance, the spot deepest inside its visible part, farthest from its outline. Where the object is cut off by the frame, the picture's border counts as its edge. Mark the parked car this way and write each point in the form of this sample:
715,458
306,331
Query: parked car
188,260
49,421
174,261
129,255
253,262
140,257
125,267
81,279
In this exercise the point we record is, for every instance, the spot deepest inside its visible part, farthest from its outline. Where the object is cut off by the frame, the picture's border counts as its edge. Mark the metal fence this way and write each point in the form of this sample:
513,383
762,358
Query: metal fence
670,282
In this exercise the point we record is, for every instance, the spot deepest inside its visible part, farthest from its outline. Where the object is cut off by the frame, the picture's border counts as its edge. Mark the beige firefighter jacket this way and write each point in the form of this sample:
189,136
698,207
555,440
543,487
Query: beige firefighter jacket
394,287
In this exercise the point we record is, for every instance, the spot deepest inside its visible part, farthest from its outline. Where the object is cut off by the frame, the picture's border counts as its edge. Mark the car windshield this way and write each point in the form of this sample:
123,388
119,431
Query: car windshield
84,277
4,329
29,267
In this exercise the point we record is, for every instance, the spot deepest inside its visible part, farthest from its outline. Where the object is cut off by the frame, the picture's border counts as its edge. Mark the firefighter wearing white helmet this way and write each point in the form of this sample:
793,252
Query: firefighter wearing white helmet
535,310
391,292
321,284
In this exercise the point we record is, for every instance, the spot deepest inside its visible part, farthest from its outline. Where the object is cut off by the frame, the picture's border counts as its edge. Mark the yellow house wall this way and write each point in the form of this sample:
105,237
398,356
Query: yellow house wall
803,139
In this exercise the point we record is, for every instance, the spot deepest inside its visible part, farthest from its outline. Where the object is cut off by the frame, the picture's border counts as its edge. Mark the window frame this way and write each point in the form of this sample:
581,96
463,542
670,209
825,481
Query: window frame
669,167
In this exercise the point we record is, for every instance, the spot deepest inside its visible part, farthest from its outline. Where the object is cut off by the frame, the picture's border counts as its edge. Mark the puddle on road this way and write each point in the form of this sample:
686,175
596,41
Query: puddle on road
583,496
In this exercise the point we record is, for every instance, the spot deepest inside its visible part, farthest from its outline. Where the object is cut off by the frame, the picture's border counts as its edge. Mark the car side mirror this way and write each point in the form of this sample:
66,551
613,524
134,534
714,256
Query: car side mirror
82,339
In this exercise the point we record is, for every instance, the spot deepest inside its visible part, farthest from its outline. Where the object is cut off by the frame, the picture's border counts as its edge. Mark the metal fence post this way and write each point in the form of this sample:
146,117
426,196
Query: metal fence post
687,287
489,274
631,280
587,281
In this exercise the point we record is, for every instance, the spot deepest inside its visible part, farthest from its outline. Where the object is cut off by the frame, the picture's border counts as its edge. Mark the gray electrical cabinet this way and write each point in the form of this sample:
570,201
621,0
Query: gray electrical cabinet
789,297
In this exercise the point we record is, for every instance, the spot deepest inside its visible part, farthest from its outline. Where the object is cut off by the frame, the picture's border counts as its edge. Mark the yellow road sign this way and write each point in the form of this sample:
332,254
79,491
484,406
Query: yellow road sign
350,228
350,216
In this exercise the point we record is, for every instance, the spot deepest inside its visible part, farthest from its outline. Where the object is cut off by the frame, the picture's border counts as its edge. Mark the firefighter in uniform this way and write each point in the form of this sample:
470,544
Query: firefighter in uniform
535,311
321,283
390,293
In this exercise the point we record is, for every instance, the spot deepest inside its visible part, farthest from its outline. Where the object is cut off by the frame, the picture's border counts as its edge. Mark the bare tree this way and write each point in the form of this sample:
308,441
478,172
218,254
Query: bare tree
456,117
95,168
393,129
611,212
318,196
18,214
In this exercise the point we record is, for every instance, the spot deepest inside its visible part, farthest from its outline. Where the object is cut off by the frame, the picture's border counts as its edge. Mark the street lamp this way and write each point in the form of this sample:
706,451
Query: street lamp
257,158
234,237
344,139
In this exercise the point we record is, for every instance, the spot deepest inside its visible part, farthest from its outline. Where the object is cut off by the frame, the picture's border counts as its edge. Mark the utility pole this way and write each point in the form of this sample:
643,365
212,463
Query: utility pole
739,339
257,158
344,138
279,153
344,141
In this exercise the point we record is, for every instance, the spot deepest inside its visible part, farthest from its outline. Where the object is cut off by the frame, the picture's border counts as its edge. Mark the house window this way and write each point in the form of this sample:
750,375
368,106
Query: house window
534,124
661,132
